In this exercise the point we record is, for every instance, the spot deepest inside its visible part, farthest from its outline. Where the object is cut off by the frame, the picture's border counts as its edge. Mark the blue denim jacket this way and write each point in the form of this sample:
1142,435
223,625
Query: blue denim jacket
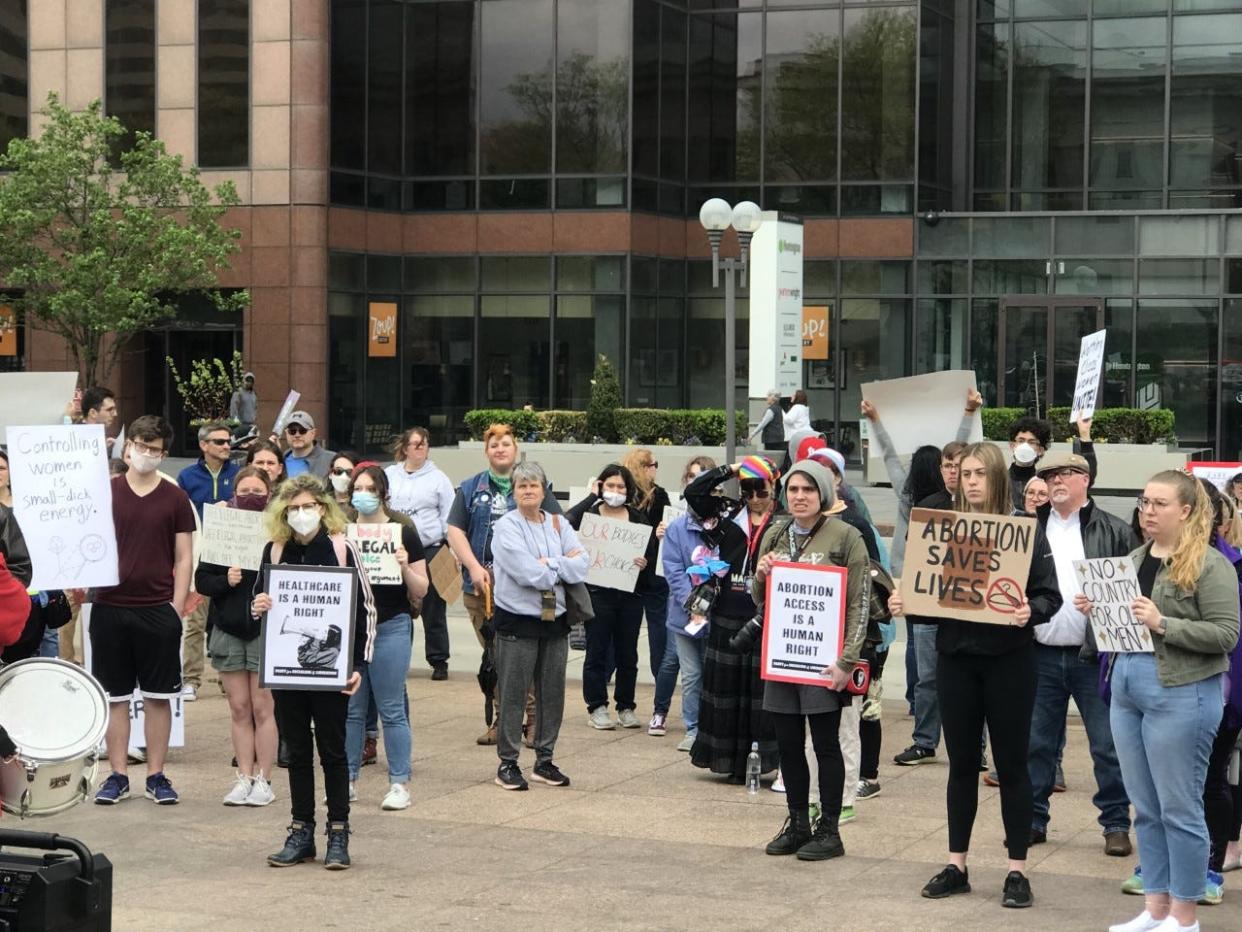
478,496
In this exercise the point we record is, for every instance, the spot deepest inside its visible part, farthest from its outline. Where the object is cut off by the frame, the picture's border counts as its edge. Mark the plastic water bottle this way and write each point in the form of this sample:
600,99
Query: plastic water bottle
752,769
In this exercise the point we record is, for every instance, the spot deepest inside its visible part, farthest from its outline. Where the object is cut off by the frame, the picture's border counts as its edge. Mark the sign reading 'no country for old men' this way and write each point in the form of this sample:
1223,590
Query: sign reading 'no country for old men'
972,567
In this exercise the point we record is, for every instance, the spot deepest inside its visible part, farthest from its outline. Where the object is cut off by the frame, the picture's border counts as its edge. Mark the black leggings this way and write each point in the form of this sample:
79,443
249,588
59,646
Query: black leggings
1222,803
791,742
296,710
999,691
871,733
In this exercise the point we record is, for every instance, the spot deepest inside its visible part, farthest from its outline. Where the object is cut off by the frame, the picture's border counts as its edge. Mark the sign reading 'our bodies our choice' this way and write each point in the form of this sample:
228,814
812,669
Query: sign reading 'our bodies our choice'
972,567
613,544
1111,585
804,622
1090,370
62,498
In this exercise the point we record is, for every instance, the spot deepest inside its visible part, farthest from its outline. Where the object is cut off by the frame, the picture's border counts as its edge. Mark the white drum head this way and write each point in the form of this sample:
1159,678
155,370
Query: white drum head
52,709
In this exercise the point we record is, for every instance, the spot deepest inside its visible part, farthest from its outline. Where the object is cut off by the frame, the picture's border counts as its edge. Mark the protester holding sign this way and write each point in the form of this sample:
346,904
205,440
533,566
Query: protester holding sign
811,536
1166,705
383,679
308,529
985,671
234,647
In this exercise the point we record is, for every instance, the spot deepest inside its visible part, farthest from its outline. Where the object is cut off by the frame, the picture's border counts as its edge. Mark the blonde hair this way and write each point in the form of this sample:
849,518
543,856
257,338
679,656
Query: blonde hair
998,501
1231,520
703,462
634,462
1186,564
275,516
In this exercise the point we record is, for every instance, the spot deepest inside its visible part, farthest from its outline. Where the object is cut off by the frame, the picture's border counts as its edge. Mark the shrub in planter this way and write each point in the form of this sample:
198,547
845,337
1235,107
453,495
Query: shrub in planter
562,426
1119,425
523,423
651,425
605,400
996,422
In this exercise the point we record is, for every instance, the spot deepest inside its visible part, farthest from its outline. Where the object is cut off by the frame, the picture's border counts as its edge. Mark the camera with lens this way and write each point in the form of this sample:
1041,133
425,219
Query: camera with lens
747,636
701,599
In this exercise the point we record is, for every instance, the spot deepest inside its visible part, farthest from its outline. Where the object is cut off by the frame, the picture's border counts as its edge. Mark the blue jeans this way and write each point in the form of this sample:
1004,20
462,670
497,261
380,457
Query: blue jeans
912,665
655,605
384,677
691,652
49,646
926,703
666,679
1059,674
1164,738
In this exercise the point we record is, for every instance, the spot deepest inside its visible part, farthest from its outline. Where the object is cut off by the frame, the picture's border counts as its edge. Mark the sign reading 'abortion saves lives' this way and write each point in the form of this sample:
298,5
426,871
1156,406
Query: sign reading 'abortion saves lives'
1111,586
972,567
613,544
804,622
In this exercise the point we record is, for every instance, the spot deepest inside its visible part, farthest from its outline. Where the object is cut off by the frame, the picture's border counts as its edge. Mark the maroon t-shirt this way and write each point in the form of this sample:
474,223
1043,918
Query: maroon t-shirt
146,542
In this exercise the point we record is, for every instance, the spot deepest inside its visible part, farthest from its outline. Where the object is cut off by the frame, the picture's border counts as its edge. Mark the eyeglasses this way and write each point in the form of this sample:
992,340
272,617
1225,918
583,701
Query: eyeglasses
949,467
295,429
652,465
341,471
146,450
1143,503
1058,474
294,509
218,441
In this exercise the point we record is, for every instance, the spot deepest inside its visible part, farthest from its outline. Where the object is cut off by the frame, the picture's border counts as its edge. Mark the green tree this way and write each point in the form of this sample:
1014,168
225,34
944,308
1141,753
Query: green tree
99,249
605,400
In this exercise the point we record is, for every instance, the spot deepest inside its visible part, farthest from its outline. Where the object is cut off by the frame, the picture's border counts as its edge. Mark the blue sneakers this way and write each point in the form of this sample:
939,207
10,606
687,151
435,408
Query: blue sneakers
113,790
161,791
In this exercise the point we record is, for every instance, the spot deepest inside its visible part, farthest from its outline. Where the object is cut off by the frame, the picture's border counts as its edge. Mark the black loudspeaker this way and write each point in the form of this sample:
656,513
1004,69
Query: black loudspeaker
53,892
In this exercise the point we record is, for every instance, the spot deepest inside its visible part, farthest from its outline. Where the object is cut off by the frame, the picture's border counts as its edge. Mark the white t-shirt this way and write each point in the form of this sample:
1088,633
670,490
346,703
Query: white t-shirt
1068,627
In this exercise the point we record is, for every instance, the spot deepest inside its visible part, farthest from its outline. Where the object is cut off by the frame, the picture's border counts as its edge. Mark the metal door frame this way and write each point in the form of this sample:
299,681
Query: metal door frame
1049,303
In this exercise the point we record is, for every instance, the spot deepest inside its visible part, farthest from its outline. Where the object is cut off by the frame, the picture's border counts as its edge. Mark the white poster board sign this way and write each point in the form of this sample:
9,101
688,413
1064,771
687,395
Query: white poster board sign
613,544
377,546
1090,372
1218,474
232,537
308,634
1111,585
671,514
776,306
282,418
923,409
137,721
804,622
62,497
34,397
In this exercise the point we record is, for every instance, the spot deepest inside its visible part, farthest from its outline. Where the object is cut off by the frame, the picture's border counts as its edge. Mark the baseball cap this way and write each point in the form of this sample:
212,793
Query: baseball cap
1054,461
247,375
302,419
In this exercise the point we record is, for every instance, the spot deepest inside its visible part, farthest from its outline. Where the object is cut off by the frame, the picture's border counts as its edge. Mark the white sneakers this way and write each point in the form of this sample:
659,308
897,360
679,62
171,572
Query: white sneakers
398,798
188,693
248,791
1143,922
627,719
600,719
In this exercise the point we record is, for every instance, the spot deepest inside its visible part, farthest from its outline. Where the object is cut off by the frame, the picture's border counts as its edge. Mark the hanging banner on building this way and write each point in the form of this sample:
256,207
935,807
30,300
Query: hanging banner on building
381,329
1090,372
776,306
613,544
8,331
1218,474
815,333
1111,586
804,622
972,567
232,537
924,409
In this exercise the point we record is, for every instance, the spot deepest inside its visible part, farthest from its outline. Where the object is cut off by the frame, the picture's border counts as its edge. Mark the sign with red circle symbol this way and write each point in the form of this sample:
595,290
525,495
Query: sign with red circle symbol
1005,596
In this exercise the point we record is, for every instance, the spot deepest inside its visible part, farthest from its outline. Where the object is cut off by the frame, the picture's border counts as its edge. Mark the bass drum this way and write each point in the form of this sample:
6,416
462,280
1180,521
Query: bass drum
56,713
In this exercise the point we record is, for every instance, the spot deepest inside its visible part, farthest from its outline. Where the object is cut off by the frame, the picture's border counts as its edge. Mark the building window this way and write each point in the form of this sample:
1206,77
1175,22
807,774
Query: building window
223,83
129,66
14,73
440,100
516,90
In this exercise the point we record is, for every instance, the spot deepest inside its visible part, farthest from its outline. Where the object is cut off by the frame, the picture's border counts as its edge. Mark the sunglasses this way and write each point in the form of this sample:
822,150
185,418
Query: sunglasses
652,465
218,441
295,429
341,471
757,493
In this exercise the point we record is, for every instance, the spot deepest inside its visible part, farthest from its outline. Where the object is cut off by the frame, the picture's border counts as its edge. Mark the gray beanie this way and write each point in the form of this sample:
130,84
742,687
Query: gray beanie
821,475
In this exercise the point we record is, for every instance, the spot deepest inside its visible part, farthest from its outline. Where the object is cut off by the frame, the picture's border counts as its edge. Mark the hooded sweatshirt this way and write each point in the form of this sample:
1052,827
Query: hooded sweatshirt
425,495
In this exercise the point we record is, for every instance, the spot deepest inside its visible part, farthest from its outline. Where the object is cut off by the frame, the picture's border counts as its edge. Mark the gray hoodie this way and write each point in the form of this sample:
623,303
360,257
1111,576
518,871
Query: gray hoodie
425,495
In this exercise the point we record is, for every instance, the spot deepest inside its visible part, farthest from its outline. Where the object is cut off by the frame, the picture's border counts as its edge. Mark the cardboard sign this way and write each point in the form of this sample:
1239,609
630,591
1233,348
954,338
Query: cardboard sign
1218,474
34,397
1111,585
62,497
671,514
381,329
232,537
972,567
804,622
377,546
613,544
308,635
1090,371
445,575
815,333
924,409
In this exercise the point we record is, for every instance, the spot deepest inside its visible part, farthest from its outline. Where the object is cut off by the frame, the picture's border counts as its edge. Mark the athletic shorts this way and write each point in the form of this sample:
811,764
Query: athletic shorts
136,648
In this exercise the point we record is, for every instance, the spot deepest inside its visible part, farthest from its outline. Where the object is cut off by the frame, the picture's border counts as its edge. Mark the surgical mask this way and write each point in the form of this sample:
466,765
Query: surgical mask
143,463
341,483
303,522
250,501
367,503
1025,454
613,499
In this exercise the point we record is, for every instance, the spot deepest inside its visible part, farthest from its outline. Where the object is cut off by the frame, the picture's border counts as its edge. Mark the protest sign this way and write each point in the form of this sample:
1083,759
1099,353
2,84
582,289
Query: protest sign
1111,585
232,537
1218,474
377,545
804,622
1090,369
137,720
671,514
446,575
34,398
613,544
924,409
282,418
308,634
972,567
62,497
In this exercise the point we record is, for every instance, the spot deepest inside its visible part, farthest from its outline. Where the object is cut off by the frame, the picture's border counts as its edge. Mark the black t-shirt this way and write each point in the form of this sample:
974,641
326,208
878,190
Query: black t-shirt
392,599
1147,573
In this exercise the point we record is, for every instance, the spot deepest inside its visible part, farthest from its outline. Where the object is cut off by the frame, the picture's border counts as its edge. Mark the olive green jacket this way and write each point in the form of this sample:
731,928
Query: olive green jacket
1201,626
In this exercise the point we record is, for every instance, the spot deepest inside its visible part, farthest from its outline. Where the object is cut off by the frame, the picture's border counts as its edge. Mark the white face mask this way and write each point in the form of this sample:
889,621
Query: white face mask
143,463
303,522
613,499
340,483
1025,454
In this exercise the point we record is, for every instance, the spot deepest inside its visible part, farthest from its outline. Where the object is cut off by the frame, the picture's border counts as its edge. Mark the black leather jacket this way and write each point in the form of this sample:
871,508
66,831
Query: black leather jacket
13,546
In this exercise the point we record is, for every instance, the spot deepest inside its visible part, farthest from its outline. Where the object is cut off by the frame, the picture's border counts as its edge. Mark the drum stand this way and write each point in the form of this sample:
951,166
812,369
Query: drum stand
55,892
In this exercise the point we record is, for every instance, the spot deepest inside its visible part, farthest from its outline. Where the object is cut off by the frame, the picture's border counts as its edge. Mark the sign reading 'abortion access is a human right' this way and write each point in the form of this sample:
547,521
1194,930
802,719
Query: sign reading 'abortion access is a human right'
972,567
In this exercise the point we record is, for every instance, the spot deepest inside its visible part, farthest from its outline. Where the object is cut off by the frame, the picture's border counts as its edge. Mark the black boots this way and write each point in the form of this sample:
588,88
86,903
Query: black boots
795,833
825,843
337,856
299,846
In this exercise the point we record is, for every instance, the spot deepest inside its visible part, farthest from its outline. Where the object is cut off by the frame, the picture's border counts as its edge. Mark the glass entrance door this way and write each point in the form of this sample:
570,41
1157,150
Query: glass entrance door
1038,347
